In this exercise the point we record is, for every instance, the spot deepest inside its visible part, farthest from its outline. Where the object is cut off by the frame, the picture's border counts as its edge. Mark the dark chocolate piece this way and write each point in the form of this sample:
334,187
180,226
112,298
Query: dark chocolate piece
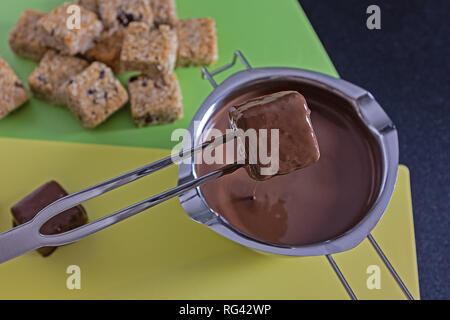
288,112
26,209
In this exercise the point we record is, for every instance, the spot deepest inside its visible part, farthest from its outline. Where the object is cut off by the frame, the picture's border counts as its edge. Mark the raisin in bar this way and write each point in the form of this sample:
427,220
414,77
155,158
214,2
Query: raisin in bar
26,209
119,14
25,39
165,12
49,79
12,91
57,35
197,42
150,51
288,112
107,49
156,101
95,94
91,5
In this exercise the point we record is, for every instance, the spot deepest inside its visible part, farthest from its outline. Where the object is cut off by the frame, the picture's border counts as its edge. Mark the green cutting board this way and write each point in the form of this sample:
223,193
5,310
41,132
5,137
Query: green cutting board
268,32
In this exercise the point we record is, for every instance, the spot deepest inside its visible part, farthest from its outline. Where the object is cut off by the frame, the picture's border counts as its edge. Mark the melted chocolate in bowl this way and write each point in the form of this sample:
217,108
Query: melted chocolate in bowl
312,205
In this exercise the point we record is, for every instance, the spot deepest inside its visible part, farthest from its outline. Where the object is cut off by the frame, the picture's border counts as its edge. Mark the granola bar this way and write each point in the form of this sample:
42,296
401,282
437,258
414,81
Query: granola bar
155,101
95,94
197,42
25,39
107,49
151,51
48,80
57,34
119,14
12,91
165,12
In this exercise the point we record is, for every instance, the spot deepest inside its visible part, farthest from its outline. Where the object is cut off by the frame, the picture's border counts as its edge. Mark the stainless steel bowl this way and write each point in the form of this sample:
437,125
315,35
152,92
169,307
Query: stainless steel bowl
366,107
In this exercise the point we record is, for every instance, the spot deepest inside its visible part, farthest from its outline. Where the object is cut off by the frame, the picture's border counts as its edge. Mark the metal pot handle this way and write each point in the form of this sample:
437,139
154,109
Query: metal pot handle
385,260
210,75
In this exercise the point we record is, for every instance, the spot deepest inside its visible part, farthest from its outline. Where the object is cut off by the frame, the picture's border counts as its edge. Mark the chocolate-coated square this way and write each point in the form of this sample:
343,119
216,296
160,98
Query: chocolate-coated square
27,208
287,112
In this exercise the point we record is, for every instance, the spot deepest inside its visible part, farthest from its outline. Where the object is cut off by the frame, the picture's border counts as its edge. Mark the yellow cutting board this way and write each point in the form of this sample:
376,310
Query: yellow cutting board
162,254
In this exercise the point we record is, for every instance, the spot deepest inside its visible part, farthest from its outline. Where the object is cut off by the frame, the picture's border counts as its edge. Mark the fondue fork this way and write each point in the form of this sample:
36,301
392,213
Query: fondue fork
27,237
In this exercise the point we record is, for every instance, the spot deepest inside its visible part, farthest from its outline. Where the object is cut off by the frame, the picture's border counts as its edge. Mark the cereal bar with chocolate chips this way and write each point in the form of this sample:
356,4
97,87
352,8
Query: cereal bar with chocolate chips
197,42
57,34
25,39
49,79
119,14
12,91
107,49
95,94
155,101
165,12
150,51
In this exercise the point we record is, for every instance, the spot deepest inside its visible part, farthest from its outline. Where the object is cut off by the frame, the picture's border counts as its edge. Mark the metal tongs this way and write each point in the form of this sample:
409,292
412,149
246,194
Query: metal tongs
27,237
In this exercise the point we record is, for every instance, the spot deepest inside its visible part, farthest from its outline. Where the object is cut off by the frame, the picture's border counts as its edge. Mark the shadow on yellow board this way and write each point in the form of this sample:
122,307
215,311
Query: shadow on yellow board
162,254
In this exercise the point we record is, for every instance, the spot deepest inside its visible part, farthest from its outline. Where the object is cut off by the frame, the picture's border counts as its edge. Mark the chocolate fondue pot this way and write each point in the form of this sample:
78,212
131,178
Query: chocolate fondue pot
259,80
359,105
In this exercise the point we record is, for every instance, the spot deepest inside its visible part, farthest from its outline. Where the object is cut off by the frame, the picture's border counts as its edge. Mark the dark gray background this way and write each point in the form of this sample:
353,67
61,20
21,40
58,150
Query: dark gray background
406,65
